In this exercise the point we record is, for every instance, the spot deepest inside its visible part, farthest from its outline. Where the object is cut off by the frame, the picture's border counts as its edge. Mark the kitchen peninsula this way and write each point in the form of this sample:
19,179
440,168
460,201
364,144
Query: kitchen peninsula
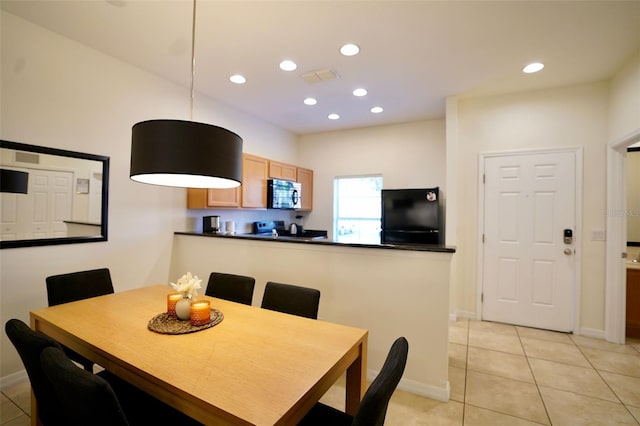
390,290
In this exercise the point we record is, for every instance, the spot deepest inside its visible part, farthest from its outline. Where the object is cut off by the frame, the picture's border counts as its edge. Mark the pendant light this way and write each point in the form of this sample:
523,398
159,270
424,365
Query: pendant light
14,181
183,153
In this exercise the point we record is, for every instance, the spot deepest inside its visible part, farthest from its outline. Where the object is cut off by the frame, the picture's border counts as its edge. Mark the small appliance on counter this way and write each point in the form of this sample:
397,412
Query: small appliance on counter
283,194
266,229
230,227
412,216
211,224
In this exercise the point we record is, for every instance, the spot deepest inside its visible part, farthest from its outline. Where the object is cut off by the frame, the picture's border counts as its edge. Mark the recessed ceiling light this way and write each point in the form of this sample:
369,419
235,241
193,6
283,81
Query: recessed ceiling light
310,101
333,116
360,92
288,65
238,79
377,110
349,49
533,67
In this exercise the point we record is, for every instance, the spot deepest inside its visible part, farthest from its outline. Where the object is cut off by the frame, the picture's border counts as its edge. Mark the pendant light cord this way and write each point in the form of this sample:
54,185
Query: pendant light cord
193,60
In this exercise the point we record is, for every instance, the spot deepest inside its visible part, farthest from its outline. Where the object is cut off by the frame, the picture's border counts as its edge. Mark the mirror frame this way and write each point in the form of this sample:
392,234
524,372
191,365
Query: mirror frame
105,196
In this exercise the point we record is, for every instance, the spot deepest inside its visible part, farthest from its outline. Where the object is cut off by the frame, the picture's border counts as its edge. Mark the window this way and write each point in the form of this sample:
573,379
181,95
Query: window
357,209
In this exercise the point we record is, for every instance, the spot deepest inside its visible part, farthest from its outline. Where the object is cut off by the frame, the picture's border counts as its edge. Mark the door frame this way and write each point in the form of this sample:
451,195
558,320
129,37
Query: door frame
578,155
616,279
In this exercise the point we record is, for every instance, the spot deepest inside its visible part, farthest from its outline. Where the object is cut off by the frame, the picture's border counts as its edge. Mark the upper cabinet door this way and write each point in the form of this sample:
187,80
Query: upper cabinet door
228,197
305,178
284,171
199,198
254,181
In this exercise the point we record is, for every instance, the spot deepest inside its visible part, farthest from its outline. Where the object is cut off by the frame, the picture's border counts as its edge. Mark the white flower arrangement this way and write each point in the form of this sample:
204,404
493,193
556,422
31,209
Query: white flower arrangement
187,285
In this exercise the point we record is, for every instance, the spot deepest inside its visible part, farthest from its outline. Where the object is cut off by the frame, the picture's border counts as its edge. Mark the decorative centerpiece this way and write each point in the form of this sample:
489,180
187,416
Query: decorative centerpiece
186,312
187,286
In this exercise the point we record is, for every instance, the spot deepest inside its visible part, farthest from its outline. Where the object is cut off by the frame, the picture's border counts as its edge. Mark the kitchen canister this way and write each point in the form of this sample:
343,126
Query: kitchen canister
230,227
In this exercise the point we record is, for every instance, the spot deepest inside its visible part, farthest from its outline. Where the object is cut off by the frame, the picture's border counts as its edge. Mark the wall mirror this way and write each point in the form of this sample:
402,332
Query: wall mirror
51,196
633,196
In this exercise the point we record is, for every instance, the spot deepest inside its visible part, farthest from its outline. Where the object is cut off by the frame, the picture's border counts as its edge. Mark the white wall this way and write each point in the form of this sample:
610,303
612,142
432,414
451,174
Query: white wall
58,93
408,155
391,293
571,116
624,100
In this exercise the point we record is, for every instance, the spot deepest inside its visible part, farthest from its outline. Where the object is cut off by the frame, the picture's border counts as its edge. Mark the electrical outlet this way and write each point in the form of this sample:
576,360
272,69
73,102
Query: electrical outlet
598,235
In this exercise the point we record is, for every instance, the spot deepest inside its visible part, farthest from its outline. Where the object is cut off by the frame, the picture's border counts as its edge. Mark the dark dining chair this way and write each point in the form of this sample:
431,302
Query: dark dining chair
236,288
89,399
373,407
291,299
30,344
85,399
65,288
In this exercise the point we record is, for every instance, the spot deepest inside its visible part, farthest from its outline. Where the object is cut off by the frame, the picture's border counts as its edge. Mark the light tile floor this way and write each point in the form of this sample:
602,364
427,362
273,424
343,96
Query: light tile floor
499,375
506,375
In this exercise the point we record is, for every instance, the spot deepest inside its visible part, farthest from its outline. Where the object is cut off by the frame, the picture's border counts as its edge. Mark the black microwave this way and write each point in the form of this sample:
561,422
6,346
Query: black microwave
283,194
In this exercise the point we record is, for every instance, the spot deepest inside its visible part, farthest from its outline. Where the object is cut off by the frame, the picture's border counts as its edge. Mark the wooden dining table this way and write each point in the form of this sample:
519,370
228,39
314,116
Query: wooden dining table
256,367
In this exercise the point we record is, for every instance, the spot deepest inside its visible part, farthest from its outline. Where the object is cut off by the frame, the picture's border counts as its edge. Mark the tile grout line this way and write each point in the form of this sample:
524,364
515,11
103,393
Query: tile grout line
466,365
17,406
605,381
508,378
535,381
466,371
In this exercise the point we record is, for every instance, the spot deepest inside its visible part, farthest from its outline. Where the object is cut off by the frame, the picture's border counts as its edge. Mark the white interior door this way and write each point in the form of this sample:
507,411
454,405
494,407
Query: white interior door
95,197
42,211
49,203
528,269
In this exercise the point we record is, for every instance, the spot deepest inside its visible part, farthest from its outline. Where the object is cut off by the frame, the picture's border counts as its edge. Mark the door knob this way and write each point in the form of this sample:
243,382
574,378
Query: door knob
568,251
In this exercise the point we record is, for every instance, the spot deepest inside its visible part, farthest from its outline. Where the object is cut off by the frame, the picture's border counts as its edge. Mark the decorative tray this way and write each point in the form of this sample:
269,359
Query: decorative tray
168,324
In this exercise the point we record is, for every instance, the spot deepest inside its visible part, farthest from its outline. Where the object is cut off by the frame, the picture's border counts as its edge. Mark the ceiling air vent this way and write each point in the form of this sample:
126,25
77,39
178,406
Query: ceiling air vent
27,157
320,75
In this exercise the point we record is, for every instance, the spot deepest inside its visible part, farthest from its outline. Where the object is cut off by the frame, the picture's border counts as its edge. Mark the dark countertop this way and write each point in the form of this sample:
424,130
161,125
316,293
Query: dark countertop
324,241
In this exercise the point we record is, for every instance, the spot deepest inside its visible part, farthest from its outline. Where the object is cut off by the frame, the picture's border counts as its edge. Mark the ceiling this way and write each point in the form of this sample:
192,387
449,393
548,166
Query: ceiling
413,54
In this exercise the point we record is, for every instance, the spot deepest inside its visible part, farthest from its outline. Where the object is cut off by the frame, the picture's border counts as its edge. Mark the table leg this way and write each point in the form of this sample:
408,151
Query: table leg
356,380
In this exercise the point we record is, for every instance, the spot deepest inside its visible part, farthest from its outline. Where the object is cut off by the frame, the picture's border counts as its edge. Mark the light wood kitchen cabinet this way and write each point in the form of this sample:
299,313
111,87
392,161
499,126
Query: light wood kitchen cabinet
305,178
198,198
252,194
633,303
254,181
279,170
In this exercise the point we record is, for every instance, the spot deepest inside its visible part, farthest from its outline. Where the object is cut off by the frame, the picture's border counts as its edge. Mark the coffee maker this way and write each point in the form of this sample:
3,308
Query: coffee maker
211,224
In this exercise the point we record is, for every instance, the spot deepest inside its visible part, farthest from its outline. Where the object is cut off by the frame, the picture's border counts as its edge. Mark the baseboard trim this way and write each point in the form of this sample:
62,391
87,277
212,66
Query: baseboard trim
591,332
422,389
13,379
467,315
419,388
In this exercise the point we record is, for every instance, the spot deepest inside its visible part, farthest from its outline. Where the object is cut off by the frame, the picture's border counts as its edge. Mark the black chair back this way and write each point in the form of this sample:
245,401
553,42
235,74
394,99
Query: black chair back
30,344
291,299
373,407
85,398
235,288
65,288
80,285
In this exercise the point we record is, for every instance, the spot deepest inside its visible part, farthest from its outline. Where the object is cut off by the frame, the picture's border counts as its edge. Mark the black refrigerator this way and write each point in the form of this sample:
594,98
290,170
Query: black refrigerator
412,216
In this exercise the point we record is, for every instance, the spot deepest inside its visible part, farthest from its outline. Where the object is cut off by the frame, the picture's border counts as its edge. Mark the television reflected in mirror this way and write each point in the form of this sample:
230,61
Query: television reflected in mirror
66,196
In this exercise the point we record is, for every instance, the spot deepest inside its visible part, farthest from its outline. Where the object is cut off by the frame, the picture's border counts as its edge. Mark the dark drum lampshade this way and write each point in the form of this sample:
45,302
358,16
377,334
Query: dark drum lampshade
14,181
185,154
